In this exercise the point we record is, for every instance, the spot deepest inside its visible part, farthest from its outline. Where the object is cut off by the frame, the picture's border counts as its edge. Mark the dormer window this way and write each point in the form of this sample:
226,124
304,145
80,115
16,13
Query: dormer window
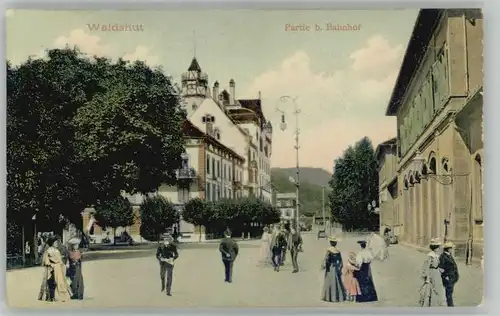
217,133
194,106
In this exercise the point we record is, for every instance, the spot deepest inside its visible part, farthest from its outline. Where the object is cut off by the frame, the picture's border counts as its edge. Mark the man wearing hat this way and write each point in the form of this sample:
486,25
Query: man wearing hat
449,273
166,255
229,251
295,245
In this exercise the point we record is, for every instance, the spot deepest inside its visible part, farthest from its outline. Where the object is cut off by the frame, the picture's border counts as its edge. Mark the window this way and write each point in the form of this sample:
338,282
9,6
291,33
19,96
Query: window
208,165
218,191
218,169
185,161
214,192
208,193
230,194
229,173
224,174
213,167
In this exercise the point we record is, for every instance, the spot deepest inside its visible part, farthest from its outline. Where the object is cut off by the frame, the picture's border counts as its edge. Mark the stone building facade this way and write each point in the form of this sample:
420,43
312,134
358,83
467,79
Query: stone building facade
387,157
438,102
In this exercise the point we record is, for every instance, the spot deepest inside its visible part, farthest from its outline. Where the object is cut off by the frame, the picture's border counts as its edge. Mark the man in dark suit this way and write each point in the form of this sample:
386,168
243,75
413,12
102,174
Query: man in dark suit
449,273
229,251
166,255
295,245
278,246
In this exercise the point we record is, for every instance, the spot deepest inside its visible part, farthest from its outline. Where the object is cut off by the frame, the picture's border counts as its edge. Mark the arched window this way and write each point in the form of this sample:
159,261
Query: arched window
445,164
432,165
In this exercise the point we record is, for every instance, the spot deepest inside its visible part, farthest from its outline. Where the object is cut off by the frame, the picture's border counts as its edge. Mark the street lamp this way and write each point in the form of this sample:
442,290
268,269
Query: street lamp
283,127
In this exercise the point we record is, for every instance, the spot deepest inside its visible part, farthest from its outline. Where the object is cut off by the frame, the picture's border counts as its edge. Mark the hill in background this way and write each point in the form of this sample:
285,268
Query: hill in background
311,182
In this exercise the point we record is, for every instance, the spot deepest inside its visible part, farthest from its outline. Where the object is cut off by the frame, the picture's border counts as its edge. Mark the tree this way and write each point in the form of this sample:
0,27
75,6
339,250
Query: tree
115,213
354,184
81,130
157,214
198,212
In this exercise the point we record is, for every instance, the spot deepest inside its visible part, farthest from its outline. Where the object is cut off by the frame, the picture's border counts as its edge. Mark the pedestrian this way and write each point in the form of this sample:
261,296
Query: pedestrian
350,282
333,286
229,251
54,285
75,269
279,245
265,244
364,275
166,255
449,272
295,245
378,247
40,245
432,292
286,231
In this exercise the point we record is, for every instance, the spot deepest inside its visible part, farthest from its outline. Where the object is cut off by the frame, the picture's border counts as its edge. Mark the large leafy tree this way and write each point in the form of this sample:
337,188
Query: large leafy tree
354,185
80,130
117,212
157,214
199,213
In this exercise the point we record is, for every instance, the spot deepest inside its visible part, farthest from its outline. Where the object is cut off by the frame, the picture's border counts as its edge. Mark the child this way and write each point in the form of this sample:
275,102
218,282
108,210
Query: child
350,282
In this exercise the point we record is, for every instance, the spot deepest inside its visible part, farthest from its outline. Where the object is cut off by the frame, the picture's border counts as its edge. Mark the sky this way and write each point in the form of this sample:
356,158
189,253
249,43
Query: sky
342,79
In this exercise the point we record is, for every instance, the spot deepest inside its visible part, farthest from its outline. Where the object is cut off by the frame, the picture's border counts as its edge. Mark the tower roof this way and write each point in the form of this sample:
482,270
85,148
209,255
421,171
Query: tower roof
194,65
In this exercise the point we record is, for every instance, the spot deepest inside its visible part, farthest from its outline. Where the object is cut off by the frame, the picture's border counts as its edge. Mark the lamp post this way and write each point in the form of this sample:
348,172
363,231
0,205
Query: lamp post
283,127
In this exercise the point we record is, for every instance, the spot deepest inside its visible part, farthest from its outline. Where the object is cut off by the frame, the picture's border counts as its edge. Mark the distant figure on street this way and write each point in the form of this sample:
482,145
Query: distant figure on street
40,245
378,247
295,245
229,251
279,245
364,275
432,292
166,255
265,246
75,269
449,272
350,282
333,287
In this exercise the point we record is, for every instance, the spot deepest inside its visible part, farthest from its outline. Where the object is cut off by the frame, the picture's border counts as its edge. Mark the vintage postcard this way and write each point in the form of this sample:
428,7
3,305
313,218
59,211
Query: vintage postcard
244,158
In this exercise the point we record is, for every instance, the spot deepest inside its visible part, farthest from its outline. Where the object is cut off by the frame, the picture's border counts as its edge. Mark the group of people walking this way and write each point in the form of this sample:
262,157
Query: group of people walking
351,281
62,275
276,241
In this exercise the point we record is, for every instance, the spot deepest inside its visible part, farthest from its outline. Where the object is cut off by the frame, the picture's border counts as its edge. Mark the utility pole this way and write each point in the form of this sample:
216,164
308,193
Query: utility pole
283,127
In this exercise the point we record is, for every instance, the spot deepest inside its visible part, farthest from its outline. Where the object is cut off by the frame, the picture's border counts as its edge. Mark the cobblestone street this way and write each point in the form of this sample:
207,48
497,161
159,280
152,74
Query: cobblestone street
198,281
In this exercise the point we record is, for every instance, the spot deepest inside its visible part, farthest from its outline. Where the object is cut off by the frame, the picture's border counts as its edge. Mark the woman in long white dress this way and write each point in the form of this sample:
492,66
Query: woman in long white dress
432,292
378,247
265,246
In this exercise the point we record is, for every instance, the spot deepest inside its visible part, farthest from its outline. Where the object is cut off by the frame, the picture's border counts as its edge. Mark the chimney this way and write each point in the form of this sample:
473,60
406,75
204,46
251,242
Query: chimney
216,91
231,92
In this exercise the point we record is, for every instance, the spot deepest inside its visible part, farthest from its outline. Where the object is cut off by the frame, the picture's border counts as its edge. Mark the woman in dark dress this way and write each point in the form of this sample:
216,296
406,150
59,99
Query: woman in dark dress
333,288
75,271
364,275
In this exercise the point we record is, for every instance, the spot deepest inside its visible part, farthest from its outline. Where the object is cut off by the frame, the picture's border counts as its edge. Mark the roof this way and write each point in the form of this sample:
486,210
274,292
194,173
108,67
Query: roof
190,130
425,25
387,143
254,105
194,65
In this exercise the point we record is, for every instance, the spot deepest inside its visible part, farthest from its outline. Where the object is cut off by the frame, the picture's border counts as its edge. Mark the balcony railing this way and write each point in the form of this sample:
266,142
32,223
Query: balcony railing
186,173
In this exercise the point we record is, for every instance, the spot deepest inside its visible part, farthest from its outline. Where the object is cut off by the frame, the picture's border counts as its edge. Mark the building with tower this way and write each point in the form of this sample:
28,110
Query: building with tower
228,145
